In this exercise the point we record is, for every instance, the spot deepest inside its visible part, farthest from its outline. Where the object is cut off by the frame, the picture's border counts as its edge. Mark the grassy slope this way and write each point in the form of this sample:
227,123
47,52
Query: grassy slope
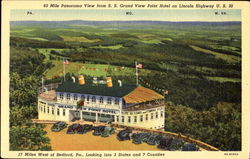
229,58
103,70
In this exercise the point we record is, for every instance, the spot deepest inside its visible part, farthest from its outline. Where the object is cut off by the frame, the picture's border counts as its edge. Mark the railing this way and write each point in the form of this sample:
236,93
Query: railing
43,121
48,87
147,105
166,133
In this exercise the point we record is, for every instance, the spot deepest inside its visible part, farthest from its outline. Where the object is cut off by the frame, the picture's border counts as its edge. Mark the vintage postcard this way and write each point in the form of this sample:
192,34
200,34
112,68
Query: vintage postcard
125,79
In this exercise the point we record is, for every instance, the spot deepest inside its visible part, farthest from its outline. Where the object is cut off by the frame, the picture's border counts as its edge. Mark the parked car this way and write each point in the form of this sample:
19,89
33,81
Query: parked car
98,130
85,128
190,147
137,138
81,130
124,134
58,126
152,140
176,145
145,136
73,128
165,143
88,127
158,139
108,131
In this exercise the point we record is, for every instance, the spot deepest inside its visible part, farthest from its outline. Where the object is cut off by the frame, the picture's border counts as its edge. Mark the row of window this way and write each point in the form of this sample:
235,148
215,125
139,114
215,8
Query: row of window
152,115
44,110
93,98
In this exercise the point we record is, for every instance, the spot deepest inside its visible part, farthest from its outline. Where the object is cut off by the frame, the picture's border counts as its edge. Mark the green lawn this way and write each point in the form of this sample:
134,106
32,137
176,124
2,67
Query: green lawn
94,70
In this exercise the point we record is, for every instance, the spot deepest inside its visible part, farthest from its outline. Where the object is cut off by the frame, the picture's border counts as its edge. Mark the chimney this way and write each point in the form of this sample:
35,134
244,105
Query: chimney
74,79
109,82
95,80
81,80
120,83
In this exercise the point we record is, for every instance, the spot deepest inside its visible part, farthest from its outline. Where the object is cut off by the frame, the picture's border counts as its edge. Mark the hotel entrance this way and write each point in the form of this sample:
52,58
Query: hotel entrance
88,116
105,118
74,115
97,117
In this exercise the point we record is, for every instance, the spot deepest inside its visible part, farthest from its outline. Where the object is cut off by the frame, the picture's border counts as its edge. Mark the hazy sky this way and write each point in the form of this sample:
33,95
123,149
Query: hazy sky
102,15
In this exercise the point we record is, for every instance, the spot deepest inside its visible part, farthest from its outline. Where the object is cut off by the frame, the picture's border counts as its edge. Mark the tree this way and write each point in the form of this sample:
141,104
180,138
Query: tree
29,138
23,91
21,115
220,126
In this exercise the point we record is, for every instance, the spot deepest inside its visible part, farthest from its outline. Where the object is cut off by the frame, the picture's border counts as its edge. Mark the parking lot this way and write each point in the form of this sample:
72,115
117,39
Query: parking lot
62,141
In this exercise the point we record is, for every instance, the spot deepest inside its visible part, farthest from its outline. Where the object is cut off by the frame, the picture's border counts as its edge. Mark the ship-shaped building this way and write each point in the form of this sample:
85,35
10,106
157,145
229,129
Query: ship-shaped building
102,101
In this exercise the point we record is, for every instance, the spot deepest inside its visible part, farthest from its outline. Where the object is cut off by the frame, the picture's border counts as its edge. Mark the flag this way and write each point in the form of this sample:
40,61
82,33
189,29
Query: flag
139,65
66,62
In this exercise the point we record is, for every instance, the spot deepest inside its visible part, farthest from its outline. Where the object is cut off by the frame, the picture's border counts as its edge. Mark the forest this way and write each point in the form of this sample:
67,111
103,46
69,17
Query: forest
200,68
26,69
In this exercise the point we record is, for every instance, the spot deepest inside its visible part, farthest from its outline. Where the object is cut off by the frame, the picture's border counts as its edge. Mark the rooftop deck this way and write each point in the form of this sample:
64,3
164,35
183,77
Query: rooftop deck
48,95
144,106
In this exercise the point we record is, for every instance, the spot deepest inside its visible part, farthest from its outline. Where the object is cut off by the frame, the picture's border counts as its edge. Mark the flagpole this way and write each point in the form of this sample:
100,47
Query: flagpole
63,69
42,85
136,73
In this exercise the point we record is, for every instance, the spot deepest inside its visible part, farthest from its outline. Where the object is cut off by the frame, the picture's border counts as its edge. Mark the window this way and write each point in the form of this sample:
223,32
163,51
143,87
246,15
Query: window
82,97
101,100
63,112
93,99
48,110
58,112
61,95
129,119
146,116
117,118
135,119
68,96
152,116
87,98
85,113
156,115
75,96
109,101
141,118
117,101
44,109
123,119
161,113
52,110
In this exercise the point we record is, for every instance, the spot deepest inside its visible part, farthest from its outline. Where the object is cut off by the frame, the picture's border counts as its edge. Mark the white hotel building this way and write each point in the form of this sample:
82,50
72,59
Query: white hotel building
127,104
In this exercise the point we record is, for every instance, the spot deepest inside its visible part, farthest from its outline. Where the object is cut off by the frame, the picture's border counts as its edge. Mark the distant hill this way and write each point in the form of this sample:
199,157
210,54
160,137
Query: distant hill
82,22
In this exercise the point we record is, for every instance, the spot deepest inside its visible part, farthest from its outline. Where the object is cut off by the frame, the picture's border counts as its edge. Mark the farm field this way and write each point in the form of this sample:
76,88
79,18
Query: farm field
229,58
